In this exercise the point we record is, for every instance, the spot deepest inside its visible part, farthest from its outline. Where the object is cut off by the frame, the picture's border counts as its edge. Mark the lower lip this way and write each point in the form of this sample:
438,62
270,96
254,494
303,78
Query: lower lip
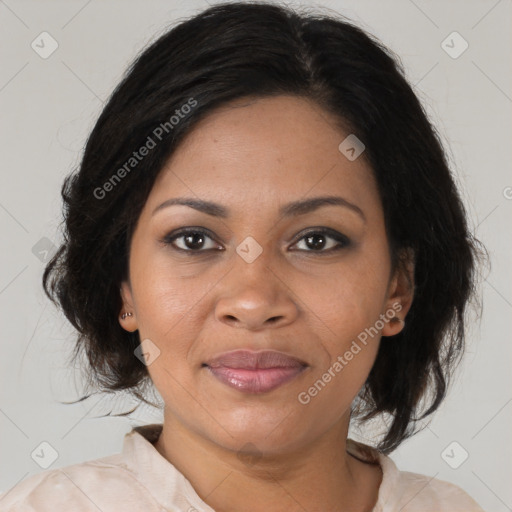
255,381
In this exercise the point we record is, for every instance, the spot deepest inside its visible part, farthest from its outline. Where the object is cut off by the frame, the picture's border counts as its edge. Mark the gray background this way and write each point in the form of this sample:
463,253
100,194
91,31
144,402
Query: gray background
48,107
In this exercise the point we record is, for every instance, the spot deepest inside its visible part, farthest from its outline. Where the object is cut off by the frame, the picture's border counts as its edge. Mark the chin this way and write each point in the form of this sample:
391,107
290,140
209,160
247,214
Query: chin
267,433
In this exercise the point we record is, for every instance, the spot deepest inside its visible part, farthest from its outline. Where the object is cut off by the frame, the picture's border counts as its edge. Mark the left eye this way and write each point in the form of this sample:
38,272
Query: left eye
323,240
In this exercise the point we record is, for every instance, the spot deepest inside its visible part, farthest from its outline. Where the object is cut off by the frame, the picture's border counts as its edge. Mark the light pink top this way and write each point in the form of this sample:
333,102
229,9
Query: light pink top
140,479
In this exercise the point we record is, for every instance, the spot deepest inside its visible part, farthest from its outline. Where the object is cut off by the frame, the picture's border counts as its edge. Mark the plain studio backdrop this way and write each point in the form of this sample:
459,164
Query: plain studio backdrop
60,61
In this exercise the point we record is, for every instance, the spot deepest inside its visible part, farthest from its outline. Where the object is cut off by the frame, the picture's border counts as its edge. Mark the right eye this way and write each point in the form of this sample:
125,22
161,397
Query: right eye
191,240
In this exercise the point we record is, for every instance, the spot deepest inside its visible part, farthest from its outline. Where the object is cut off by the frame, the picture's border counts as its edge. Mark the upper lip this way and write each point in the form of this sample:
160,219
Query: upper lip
250,360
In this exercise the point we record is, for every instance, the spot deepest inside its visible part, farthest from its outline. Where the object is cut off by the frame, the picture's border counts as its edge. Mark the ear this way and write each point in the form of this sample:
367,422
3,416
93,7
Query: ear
400,294
129,322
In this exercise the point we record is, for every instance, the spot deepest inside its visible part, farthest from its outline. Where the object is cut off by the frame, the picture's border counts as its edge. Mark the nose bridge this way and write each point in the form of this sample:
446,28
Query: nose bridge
252,269
253,294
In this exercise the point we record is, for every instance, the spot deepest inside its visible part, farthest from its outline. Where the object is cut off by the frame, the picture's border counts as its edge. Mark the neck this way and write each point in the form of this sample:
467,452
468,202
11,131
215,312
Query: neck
318,476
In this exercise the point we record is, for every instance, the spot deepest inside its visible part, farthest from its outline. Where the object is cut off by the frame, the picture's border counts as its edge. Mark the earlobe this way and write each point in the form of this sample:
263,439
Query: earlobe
393,326
128,321
127,318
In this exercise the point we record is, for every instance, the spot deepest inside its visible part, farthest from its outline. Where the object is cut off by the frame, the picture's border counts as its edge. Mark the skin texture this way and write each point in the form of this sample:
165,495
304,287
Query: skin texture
265,452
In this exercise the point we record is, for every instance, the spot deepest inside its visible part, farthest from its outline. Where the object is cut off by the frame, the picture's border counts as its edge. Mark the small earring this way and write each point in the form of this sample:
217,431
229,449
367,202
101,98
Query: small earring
124,315
397,319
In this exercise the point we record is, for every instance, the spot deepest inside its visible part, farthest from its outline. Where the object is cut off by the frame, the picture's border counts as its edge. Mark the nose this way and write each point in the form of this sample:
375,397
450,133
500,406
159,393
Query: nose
255,297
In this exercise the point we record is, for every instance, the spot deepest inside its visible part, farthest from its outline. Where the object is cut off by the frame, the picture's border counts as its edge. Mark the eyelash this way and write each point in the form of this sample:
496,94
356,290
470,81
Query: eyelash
343,241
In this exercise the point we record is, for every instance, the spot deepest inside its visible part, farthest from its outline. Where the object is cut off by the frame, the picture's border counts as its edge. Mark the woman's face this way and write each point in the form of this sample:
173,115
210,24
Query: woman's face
262,277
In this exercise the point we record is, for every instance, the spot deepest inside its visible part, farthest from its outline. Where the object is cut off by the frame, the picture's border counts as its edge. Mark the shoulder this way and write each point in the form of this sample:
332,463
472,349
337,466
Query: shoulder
90,486
412,492
418,492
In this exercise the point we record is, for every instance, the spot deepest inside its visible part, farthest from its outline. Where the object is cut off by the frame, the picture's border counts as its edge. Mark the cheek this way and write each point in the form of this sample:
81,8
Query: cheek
351,343
351,315
368,279
350,306
353,299
165,294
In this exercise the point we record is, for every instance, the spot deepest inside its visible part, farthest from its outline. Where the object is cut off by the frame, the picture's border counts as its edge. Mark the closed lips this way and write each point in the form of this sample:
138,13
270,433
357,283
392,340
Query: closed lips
248,360
255,372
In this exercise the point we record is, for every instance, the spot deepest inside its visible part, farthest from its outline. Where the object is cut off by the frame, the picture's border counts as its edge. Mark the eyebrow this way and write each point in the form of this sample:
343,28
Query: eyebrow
293,209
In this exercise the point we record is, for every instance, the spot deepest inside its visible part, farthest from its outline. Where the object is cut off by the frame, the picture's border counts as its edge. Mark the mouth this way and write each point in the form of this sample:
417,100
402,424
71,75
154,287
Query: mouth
255,372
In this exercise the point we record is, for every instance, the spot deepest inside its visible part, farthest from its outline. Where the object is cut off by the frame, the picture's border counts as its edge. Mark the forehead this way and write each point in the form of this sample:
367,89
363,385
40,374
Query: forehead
265,150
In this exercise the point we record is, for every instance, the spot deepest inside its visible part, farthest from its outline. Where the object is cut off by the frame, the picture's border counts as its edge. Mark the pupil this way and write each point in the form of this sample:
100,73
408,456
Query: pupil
190,241
319,245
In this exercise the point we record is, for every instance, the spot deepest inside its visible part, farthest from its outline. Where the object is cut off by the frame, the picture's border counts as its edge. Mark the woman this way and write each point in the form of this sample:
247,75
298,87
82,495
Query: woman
263,226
